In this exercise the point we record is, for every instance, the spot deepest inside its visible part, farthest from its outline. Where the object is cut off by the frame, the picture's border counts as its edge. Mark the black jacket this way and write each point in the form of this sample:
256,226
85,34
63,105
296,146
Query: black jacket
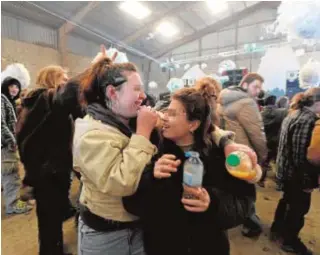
8,114
272,120
45,132
169,228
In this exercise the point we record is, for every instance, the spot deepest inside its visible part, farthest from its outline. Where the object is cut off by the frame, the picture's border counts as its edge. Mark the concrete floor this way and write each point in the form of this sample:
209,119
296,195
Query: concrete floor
19,233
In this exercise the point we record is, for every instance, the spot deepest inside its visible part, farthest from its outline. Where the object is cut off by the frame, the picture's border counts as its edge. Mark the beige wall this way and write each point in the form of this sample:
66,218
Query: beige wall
34,57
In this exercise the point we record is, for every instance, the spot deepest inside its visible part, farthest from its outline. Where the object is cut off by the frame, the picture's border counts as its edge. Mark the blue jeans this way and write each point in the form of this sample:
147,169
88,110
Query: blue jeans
121,242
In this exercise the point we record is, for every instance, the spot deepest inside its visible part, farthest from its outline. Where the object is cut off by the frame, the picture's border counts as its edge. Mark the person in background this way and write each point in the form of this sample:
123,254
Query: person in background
239,113
272,119
174,225
294,102
14,78
210,89
44,136
295,173
149,101
261,100
283,103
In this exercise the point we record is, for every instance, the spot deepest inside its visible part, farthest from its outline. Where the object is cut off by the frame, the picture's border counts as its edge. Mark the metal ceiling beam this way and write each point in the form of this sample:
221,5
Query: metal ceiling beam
217,26
157,19
68,26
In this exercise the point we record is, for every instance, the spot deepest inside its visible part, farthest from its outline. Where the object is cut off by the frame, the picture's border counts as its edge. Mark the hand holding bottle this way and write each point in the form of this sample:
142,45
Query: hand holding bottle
200,199
239,165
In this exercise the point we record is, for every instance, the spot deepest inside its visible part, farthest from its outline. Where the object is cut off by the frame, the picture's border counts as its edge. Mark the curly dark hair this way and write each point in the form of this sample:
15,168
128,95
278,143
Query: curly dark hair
197,108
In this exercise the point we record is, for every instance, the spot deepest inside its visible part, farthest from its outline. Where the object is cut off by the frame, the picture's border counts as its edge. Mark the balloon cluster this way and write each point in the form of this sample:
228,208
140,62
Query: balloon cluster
299,19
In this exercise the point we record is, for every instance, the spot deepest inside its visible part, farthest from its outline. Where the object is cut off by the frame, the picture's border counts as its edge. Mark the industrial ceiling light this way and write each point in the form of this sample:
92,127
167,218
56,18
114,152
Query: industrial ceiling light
135,8
167,29
217,7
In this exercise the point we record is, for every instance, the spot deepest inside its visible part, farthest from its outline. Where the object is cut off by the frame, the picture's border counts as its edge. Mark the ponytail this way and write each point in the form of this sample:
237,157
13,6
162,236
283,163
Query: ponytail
88,81
210,90
94,80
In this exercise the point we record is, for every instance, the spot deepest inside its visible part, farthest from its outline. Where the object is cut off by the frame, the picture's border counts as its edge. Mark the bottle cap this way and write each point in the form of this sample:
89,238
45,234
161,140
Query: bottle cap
187,154
233,160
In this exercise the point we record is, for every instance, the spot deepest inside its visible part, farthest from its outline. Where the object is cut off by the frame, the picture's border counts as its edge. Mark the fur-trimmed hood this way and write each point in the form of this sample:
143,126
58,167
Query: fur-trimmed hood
18,72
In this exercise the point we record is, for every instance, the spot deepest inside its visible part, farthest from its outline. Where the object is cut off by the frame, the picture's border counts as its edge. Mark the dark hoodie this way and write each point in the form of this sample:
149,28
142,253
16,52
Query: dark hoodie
272,120
8,114
45,130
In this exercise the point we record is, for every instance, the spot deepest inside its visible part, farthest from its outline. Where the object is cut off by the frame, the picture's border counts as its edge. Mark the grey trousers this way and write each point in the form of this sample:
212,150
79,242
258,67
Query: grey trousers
10,179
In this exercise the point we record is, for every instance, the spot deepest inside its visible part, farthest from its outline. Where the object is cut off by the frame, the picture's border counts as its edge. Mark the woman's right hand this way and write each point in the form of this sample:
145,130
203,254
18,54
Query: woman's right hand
146,121
166,165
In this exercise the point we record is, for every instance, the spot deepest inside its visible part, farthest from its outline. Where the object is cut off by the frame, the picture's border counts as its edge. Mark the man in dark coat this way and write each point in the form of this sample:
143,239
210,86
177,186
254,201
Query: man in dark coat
272,119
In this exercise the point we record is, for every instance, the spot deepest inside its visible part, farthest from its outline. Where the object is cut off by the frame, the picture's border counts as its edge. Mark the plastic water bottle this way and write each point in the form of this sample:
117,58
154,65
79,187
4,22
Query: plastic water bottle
192,171
239,165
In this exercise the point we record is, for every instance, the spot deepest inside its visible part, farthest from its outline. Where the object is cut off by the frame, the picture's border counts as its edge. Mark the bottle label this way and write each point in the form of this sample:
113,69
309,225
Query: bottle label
187,179
192,179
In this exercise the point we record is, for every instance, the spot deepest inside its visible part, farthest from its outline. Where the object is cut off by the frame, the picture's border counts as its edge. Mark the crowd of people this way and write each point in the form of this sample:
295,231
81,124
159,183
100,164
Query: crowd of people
129,157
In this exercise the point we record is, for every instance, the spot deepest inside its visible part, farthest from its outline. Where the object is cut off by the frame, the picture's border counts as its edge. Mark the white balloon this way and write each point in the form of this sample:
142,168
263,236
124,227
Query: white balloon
152,85
309,75
204,65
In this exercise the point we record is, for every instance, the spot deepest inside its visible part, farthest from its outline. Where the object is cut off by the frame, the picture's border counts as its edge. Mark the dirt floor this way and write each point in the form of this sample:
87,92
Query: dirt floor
19,233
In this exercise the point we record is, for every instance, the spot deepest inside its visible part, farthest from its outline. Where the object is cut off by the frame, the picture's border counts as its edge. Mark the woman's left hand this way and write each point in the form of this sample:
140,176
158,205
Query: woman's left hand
201,201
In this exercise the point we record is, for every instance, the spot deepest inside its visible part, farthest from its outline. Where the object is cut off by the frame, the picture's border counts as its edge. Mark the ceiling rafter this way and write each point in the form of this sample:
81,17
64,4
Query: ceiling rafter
69,25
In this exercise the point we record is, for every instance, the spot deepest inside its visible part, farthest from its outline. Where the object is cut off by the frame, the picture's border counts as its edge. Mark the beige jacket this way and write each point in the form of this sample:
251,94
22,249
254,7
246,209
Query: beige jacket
111,165
240,114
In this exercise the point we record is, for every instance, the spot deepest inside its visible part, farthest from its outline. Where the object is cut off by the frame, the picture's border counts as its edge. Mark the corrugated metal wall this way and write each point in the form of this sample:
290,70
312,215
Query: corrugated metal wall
27,31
